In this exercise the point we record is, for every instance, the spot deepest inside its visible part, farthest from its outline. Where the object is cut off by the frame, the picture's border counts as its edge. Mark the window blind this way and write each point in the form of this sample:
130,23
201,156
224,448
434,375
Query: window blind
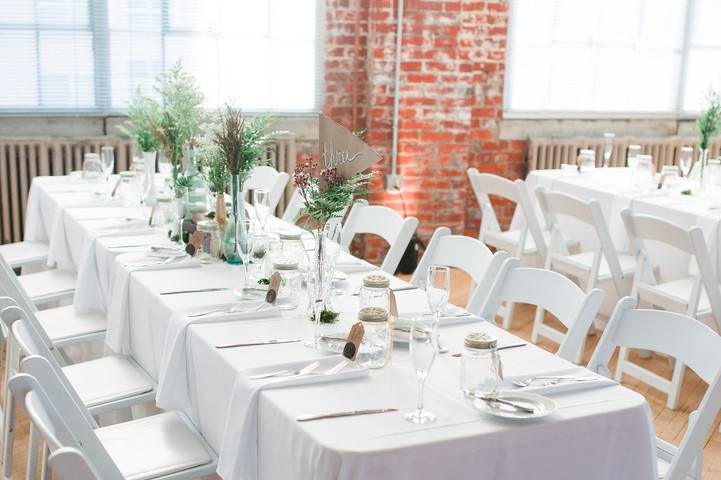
92,55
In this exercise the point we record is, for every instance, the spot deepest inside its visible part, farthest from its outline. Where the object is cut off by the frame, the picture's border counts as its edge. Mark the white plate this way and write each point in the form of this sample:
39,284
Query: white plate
543,406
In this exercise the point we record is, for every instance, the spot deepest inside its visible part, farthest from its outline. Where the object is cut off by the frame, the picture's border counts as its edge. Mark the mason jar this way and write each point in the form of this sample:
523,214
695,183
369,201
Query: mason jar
480,364
291,246
289,291
210,246
375,292
375,349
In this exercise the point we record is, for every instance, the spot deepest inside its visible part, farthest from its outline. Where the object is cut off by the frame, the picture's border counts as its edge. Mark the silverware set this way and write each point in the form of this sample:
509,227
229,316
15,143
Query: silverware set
548,380
349,413
516,405
307,370
164,261
234,309
254,344
198,290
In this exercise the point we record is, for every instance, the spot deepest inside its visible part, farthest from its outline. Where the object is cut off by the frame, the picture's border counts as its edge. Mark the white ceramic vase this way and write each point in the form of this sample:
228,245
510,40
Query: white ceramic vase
149,158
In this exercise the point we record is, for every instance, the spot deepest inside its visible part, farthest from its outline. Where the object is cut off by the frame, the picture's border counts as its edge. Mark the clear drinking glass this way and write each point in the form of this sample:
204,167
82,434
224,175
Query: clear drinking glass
438,287
608,139
107,157
631,158
261,201
685,159
92,169
423,349
245,245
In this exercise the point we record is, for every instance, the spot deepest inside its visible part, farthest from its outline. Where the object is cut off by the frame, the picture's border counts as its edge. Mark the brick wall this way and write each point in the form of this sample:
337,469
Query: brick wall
451,100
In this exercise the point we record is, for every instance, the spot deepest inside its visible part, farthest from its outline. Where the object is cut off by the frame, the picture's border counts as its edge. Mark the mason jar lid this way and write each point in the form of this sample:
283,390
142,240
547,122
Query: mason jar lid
285,264
376,280
127,176
480,340
208,226
373,314
290,235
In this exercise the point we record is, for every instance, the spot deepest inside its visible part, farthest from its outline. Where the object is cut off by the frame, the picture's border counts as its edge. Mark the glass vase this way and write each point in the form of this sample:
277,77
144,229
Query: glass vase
320,275
702,162
237,213
181,202
149,159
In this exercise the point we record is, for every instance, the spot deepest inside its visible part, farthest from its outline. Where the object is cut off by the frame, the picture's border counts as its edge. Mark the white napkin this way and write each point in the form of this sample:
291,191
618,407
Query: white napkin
173,385
238,459
117,337
88,293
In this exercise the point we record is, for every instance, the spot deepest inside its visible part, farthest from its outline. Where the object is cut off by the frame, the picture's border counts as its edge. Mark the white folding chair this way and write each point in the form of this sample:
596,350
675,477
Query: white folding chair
688,341
270,179
25,254
101,385
589,268
293,208
548,290
384,222
455,251
41,287
71,464
696,295
517,241
164,446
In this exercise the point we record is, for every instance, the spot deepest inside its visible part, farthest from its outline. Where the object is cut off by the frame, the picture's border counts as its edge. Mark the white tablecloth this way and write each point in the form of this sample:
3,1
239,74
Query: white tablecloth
595,434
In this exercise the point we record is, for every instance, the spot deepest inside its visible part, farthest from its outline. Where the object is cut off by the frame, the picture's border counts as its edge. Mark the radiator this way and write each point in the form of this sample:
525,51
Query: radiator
548,153
21,159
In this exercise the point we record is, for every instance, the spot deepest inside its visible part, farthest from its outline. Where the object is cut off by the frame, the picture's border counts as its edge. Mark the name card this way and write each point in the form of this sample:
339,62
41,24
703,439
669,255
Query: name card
273,287
353,341
342,150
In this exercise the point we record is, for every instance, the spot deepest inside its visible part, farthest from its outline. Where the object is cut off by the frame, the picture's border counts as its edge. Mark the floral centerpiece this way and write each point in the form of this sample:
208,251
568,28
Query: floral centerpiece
707,126
241,144
213,168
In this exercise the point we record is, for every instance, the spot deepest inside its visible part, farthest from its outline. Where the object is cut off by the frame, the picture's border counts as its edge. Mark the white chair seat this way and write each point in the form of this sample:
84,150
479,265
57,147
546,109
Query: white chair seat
107,379
19,254
671,295
62,323
154,446
48,285
508,240
580,264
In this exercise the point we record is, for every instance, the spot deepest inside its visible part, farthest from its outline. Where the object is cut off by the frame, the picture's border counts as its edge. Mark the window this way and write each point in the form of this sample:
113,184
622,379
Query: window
620,57
92,55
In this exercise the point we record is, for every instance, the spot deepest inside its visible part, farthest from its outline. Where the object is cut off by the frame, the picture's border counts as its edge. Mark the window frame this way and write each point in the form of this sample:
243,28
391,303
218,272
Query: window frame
679,113
98,27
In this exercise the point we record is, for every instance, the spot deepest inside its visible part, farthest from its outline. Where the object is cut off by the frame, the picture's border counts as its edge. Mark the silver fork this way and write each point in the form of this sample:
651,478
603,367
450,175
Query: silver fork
553,380
283,373
233,309
150,264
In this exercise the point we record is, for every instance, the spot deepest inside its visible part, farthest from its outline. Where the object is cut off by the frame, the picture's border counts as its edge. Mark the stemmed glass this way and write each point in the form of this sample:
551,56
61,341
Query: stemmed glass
245,245
685,158
423,349
607,148
261,201
438,286
107,158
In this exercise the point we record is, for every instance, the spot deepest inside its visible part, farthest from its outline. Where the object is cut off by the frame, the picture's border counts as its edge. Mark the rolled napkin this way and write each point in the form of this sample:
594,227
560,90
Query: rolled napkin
117,337
173,385
563,386
241,428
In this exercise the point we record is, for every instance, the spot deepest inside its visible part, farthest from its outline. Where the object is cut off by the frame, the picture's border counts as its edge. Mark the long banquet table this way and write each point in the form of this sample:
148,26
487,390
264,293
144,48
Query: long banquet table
596,433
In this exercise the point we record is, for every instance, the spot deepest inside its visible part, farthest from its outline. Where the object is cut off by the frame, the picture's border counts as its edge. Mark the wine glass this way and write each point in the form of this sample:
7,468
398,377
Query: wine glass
107,157
438,286
607,148
685,159
423,348
245,244
92,168
261,201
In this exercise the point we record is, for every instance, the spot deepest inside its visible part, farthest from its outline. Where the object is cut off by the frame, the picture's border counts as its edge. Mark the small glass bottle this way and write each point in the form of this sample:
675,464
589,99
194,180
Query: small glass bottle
480,364
375,349
375,292
289,291
210,248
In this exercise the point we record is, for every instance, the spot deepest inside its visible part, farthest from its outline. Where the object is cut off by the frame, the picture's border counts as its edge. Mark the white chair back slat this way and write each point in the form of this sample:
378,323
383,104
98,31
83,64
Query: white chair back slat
270,179
71,464
384,222
10,286
550,291
455,251
647,227
557,203
63,423
532,221
293,208
479,294
689,342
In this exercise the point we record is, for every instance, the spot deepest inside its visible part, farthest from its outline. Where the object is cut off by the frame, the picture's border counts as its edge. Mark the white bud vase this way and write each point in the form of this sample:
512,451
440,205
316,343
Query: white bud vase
149,158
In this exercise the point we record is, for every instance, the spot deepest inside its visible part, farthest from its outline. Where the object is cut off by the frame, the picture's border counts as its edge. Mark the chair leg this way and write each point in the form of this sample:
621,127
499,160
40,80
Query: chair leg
508,316
676,381
537,321
8,427
621,364
44,466
32,453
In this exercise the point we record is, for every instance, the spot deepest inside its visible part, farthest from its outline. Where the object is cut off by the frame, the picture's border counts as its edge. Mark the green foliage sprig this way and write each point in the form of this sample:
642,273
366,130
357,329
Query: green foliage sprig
327,194
211,162
709,123
144,115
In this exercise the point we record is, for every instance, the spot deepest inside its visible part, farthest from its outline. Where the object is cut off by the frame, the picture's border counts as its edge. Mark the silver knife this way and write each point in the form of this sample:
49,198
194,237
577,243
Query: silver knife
350,413
200,290
252,344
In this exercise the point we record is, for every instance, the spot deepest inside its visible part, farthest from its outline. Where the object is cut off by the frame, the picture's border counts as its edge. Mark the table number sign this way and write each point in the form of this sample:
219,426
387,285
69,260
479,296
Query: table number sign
342,150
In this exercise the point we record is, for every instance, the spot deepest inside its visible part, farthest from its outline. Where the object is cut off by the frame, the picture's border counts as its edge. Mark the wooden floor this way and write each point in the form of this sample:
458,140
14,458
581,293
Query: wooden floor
670,424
